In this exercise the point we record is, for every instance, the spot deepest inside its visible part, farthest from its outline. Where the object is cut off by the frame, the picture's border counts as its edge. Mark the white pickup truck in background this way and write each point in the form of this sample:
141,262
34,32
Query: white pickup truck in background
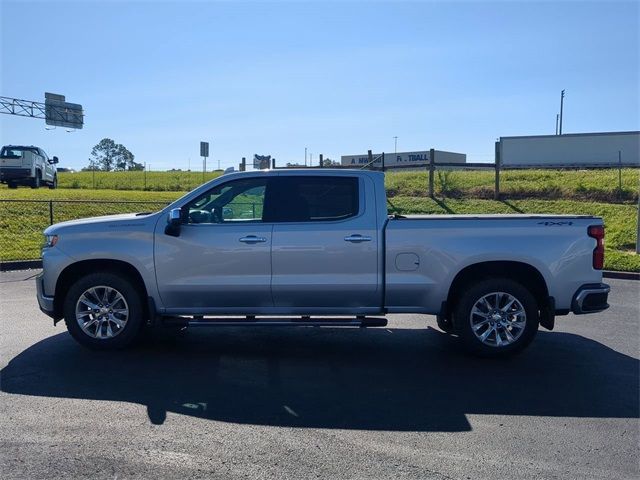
27,165
309,247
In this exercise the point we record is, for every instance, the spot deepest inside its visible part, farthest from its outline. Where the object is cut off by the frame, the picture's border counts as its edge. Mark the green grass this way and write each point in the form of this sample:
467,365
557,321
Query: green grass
146,181
593,192
598,185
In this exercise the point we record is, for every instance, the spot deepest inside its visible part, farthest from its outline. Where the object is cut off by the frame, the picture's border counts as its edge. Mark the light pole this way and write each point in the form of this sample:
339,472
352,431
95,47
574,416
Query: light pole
305,156
395,145
561,105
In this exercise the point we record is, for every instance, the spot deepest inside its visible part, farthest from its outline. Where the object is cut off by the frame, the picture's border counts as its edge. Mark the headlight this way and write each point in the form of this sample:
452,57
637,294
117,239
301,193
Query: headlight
50,240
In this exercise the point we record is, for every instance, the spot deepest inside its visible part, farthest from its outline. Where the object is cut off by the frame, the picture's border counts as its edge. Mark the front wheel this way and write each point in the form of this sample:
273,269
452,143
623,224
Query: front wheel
103,311
496,317
53,185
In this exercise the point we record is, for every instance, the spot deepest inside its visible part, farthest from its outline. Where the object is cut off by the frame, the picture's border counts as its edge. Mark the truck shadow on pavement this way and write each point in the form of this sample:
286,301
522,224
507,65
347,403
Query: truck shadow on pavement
377,379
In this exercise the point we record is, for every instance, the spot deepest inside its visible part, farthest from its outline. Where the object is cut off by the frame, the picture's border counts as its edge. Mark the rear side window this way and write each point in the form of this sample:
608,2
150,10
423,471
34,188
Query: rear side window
311,199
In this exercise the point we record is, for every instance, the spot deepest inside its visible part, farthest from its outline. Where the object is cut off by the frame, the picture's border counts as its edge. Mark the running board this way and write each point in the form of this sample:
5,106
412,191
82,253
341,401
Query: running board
363,322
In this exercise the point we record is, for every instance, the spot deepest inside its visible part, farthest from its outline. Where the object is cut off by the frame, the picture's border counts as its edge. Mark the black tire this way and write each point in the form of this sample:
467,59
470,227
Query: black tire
12,185
495,344
35,183
53,185
132,301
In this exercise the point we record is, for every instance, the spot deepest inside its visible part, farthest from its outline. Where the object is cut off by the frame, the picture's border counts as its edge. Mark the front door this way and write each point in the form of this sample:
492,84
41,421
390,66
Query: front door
221,261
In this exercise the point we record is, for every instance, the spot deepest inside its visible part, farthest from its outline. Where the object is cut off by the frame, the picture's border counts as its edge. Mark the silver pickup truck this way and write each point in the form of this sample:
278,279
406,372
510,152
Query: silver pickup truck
317,247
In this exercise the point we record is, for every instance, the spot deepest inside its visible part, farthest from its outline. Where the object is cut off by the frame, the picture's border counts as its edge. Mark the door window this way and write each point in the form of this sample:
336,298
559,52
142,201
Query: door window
235,201
312,199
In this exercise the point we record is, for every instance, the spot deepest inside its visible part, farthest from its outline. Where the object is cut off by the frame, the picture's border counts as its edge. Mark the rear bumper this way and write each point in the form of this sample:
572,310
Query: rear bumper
45,303
8,173
590,298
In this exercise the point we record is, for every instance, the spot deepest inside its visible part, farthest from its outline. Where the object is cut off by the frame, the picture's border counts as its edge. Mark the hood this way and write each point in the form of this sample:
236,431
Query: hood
107,221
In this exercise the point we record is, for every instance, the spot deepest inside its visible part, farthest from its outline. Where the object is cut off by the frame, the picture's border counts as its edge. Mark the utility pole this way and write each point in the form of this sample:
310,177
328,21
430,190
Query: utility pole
561,105
305,156
395,145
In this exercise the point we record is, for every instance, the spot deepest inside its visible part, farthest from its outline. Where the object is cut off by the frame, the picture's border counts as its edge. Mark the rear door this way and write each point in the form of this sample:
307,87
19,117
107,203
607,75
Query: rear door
324,252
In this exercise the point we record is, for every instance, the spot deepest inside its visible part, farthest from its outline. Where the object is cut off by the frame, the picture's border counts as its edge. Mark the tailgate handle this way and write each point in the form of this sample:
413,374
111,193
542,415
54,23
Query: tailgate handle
356,238
252,239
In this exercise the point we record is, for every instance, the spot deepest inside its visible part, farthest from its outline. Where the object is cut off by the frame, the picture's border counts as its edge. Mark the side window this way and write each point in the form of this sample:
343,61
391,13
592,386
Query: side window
312,199
235,201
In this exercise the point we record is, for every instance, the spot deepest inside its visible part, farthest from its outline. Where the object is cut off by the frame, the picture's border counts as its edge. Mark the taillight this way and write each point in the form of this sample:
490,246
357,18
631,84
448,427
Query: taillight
597,232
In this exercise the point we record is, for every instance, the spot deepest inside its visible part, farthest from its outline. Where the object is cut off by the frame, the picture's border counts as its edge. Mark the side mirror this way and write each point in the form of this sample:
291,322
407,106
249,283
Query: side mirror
55,160
173,222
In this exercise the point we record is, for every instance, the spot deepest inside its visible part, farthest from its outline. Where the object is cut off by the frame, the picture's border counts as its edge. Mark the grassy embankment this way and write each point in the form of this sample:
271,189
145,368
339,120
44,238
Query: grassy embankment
593,192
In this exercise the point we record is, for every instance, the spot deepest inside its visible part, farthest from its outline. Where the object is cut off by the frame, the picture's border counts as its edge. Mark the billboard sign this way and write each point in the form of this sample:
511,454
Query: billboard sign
61,113
573,149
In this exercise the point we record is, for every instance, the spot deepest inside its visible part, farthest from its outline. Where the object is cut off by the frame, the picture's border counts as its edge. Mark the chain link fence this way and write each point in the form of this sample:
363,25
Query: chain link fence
22,221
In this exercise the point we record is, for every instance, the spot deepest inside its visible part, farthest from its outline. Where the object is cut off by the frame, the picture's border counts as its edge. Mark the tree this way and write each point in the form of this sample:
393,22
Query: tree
327,162
108,155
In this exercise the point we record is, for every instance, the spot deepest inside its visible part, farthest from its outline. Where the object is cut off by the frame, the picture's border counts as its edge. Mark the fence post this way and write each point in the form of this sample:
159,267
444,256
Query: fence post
243,164
321,161
432,161
496,193
369,158
273,163
383,161
619,174
50,212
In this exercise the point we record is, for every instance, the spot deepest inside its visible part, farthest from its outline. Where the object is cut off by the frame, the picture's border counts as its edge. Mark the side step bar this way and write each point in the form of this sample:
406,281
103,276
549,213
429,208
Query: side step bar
363,322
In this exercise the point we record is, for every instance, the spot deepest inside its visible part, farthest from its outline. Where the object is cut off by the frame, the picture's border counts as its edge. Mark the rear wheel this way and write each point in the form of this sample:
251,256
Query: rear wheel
496,317
12,185
37,180
103,311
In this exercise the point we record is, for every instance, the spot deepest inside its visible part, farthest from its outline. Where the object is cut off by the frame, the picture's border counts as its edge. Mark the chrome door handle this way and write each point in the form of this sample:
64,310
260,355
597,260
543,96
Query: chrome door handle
356,238
252,239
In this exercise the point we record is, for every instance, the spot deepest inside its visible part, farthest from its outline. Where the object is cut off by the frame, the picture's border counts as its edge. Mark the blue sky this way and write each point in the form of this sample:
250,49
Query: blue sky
336,77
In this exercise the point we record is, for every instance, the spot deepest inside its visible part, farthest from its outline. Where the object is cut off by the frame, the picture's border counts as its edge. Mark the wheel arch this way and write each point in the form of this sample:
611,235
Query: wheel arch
525,274
81,268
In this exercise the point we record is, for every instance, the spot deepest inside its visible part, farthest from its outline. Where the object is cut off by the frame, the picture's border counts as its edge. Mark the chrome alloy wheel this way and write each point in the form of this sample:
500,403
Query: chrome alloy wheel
102,312
498,319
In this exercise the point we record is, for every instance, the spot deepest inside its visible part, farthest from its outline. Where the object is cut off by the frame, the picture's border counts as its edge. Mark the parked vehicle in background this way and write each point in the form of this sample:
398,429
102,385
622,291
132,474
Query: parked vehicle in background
27,165
303,243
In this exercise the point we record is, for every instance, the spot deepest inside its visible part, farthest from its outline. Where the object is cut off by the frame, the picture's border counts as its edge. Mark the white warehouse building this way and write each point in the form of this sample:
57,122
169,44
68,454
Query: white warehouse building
572,150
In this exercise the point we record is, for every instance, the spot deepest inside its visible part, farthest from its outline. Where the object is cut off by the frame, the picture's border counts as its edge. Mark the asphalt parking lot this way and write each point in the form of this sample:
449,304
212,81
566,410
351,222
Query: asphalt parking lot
396,402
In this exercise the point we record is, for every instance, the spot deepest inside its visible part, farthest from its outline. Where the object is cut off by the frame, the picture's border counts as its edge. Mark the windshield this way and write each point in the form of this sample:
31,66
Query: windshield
15,151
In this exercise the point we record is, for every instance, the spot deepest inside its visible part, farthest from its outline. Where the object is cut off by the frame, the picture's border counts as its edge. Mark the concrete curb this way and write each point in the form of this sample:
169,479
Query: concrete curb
621,275
20,265
31,264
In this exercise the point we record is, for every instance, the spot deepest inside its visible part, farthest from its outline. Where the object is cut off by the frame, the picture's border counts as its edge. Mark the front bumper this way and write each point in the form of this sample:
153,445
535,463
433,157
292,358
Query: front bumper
45,303
590,298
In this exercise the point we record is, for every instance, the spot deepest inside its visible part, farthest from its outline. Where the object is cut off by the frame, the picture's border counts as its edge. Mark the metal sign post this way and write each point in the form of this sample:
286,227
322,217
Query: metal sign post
204,153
